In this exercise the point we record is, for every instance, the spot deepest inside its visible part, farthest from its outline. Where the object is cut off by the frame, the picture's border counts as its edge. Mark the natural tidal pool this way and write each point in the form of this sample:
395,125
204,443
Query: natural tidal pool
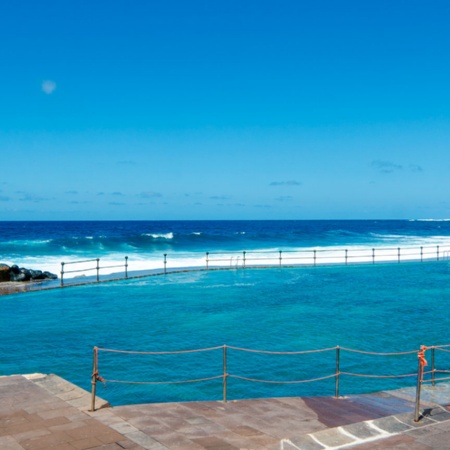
373,308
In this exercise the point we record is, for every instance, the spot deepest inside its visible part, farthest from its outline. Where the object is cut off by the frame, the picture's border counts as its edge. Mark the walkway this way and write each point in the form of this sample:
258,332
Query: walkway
41,412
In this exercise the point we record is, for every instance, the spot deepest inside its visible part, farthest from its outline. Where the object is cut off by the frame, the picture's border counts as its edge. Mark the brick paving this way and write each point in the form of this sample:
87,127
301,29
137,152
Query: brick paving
46,412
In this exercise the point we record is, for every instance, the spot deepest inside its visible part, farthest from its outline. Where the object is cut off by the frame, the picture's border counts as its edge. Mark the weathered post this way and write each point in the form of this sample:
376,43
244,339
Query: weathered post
165,262
126,266
338,362
98,269
94,378
62,274
421,364
225,375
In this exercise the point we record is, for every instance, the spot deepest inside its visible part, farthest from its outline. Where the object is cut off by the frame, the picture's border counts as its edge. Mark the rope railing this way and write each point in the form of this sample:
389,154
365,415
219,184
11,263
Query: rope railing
336,374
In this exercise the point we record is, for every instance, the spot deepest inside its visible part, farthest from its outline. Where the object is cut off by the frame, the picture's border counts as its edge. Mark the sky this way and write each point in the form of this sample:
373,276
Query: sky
214,109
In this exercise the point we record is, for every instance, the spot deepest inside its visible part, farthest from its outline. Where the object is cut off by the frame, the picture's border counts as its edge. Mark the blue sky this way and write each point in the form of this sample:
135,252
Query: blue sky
224,109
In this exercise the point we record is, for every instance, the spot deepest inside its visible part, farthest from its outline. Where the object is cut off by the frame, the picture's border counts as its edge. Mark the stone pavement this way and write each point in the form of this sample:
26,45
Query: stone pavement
42,412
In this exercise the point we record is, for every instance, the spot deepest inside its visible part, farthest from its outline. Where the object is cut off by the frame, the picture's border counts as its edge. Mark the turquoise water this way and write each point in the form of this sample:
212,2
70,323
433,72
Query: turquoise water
381,308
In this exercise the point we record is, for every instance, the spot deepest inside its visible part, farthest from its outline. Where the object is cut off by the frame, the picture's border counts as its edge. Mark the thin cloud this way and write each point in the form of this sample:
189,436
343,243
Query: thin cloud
415,168
385,166
3,198
48,86
149,194
262,206
284,198
219,197
32,198
116,203
117,194
71,192
285,183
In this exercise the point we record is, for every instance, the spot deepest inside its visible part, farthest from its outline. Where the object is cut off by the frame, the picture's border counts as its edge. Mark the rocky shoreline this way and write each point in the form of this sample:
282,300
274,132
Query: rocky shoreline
15,273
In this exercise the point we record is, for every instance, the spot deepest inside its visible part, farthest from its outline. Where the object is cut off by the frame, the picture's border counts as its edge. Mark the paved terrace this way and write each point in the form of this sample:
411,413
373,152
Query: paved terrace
40,412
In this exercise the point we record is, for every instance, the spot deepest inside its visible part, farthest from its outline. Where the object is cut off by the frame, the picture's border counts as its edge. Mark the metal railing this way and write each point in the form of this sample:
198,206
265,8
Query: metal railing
225,374
275,258
85,269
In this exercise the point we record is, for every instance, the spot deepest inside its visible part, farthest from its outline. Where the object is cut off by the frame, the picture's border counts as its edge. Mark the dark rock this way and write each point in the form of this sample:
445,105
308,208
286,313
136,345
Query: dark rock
14,273
4,273
18,276
50,276
36,274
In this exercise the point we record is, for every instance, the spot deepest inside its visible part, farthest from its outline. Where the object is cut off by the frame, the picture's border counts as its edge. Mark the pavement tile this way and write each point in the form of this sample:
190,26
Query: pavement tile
9,443
146,441
45,442
302,442
87,443
333,437
362,430
214,443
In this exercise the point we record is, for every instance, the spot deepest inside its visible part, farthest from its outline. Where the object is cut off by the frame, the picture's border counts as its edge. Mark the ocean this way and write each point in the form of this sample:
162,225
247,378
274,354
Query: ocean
44,245
372,286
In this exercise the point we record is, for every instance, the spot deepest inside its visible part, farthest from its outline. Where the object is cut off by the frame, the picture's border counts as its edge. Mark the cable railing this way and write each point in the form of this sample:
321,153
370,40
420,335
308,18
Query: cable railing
337,372
176,262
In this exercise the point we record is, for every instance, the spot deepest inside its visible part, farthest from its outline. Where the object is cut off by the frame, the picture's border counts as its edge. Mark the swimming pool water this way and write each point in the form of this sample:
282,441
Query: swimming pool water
381,308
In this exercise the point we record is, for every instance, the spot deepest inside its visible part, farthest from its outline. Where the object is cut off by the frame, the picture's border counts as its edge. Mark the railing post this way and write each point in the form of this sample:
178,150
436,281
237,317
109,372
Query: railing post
225,375
243,263
94,378
373,256
433,369
165,262
419,382
98,269
421,254
126,266
338,357
346,256
314,258
280,258
437,252
62,274
398,250
207,260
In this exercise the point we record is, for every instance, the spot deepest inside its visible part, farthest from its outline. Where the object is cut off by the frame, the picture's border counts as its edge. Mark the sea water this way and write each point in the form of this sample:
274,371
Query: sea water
382,307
